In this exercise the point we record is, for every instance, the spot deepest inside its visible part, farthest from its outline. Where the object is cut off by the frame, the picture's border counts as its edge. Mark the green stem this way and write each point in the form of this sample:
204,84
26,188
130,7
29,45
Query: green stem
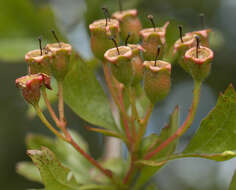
143,125
70,140
131,171
117,97
188,122
48,125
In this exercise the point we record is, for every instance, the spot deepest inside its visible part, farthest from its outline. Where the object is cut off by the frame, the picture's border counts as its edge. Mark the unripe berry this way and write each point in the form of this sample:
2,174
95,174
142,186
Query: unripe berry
204,36
151,38
157,80
181,46
101,32
137,63
199,61
120,62
61,53
39,60
129,22
203,33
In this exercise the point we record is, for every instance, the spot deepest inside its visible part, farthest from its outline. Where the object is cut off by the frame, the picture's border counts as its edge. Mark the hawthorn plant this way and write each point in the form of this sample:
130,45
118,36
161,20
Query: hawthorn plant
137,65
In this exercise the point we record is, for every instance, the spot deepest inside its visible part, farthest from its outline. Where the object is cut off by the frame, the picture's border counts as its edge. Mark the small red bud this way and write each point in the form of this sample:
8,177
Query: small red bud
30,86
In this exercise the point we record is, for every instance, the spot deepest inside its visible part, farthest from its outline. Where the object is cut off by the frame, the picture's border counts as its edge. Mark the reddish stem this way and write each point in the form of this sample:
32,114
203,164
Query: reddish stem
50,109
184,127
124,116
117,99
129,174
60,102
108,173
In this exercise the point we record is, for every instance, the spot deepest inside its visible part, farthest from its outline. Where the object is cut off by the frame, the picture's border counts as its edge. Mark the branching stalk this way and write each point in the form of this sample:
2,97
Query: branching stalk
118,99
47,124
188,122
70,140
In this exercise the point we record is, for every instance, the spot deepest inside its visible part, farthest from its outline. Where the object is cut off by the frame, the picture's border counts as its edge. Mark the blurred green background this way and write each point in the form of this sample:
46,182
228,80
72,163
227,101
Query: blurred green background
22,21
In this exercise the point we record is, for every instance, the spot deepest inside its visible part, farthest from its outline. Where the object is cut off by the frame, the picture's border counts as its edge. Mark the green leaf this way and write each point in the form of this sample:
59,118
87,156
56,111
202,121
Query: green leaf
233,182
148,142
216,136
118,166
73,159
167,132
215,139
142,104
54,175
29,171
146,172
107,133
160,162
78,165
85,96
35,141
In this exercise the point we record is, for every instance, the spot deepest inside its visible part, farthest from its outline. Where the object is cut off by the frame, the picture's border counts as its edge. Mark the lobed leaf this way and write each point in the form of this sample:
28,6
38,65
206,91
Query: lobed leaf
78,165
54,175
215,139
216,136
